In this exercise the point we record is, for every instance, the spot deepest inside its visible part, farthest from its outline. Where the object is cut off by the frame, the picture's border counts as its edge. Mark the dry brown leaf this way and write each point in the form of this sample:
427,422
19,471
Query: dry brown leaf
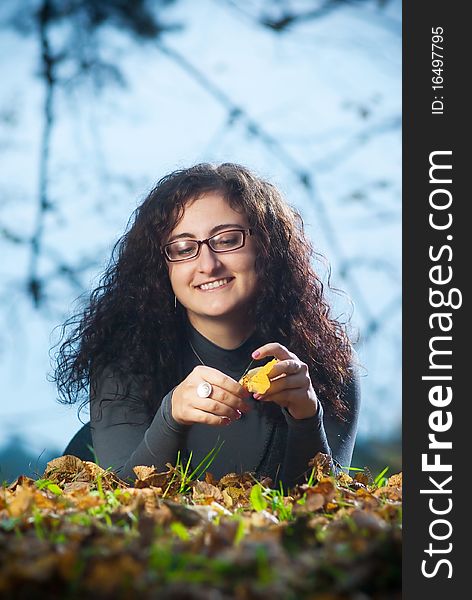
147,498
149,477
21,501
390,511
325,487
395,480
25,482
368,499
206,491
77,488
237,493
362,478
45,500
344,479
231,479
209,478
63,469
322,464
227,499
314,502
86,502
390,492
367,521
109,480
69,469
143,472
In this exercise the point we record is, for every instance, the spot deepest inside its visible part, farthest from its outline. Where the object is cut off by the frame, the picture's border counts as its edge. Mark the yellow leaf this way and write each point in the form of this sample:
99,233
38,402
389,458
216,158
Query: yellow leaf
20,502
257,380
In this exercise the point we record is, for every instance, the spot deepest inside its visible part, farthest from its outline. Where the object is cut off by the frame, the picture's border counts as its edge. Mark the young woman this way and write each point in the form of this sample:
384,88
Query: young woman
213,278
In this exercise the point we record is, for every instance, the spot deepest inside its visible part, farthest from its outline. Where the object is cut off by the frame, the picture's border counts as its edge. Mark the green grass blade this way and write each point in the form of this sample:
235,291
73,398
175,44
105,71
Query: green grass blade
206,462
352,468
380,476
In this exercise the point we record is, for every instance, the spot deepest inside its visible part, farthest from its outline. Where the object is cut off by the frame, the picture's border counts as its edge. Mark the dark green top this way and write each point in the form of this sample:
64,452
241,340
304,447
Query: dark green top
267,440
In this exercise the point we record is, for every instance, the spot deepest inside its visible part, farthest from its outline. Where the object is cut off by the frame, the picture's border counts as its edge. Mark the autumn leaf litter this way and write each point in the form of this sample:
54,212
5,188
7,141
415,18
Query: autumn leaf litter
80,531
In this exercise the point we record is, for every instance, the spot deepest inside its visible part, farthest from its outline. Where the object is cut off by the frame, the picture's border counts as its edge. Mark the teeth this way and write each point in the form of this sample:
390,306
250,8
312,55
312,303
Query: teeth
213,284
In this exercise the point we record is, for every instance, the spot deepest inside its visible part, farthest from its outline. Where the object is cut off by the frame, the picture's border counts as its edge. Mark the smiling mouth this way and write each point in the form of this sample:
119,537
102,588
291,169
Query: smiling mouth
214,285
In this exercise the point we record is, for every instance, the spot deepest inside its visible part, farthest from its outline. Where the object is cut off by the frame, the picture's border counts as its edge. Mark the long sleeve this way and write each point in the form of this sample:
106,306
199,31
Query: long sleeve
342,434
305,438
124,435
320,433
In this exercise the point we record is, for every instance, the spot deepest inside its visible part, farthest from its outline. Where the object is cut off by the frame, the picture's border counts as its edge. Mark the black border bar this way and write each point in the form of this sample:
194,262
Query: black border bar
436,327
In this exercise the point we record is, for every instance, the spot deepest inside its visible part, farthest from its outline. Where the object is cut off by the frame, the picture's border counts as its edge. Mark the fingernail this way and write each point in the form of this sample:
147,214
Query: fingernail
225,421
239,413
256,396
255,354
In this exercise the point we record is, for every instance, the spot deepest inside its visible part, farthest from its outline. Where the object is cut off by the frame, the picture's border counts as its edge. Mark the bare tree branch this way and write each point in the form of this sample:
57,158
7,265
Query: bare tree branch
48,64
358,140
288,18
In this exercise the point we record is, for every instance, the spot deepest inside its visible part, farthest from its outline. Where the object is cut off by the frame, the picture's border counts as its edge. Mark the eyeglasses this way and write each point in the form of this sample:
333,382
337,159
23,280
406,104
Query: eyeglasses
225,241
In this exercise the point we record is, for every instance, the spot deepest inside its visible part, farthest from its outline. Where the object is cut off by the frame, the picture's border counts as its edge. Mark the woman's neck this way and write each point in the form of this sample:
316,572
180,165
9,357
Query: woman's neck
225,334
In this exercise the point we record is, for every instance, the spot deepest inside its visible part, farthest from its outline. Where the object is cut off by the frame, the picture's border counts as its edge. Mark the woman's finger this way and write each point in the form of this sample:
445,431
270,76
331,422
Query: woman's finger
215,407
273,349
287,367
223,381
283,398
221,399
195,415
290,382
292,401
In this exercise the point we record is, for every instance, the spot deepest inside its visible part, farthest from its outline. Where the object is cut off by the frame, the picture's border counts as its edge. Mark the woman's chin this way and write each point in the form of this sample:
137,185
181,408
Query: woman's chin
214,310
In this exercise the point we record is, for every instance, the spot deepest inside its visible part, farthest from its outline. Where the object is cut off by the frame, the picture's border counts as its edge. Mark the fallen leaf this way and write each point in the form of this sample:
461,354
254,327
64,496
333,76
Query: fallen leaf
20,502
206,491
149,477
322,465
395,480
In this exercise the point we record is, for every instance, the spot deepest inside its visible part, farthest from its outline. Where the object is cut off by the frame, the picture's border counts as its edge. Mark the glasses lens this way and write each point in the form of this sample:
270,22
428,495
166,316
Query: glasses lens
228,240
181,250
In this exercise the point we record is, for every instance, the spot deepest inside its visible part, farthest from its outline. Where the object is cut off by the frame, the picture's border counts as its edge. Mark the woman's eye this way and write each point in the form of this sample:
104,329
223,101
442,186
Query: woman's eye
227,240
184,251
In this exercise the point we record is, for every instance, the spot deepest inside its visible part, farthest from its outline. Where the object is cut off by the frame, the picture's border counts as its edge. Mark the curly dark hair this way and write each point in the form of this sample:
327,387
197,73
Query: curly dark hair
124,326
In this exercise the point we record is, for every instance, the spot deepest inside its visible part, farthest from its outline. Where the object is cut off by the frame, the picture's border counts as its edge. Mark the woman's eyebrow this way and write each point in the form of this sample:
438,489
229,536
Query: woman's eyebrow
212,231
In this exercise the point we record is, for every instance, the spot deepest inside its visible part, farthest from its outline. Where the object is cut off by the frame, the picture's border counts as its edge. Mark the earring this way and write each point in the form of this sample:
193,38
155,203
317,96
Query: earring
175,302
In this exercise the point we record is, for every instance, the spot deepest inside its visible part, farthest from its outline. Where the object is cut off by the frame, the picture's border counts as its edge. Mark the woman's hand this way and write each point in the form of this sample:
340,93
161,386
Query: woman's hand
224,405
290,382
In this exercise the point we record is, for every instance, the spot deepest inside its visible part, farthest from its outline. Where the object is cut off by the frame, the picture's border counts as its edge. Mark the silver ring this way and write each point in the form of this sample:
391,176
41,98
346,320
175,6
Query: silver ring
204,389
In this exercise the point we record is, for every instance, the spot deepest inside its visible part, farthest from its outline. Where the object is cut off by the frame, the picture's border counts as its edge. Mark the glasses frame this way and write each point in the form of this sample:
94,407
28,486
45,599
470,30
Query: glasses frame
245,232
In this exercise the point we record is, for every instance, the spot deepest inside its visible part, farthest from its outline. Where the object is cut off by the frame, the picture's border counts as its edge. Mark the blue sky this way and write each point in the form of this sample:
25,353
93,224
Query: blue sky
323,99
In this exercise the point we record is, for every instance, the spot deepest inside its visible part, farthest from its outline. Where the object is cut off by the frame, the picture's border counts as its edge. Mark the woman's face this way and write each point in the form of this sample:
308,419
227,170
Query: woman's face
203,218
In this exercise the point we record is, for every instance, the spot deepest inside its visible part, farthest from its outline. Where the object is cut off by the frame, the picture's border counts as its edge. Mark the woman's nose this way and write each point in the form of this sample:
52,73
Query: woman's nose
207,259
